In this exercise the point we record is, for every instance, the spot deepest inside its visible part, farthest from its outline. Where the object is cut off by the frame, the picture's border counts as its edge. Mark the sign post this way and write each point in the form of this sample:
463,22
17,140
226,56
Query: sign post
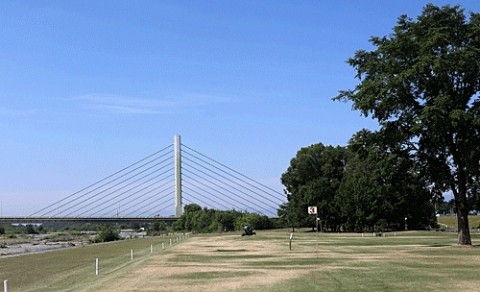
312,210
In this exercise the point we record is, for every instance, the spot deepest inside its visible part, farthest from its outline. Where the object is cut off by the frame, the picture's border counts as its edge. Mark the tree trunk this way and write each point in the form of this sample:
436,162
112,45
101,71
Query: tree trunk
463,228
464,236
462,213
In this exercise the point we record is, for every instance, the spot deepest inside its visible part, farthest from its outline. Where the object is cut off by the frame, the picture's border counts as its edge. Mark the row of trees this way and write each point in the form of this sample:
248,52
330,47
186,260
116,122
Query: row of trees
197,219
359,187
422,84
20,229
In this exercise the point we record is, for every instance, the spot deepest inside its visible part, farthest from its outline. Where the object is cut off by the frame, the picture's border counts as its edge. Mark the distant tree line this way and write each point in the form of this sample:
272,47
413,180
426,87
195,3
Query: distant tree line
21,229
196,219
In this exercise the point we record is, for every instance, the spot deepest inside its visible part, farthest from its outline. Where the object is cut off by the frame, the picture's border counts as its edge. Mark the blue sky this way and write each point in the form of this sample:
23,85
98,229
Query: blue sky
88,87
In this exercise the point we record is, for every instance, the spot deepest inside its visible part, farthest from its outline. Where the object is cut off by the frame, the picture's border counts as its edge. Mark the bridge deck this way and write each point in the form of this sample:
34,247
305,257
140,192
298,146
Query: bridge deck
41,220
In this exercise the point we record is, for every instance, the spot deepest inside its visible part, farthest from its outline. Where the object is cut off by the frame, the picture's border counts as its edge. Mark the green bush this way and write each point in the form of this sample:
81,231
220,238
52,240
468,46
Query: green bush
106,233
30,229
157,228
254,221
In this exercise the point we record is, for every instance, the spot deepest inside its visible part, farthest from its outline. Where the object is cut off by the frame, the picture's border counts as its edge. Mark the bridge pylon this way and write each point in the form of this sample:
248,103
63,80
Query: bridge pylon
178,175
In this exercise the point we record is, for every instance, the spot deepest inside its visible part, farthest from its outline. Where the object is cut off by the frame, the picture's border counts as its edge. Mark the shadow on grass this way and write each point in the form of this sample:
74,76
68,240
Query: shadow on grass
231,250
439,245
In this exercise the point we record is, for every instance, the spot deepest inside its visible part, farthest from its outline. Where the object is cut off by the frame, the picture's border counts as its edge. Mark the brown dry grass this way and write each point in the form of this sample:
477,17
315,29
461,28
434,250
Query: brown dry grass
206,263
334,262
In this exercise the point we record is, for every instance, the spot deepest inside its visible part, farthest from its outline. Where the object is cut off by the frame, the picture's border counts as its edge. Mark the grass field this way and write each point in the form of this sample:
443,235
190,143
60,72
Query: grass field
403,261
451,221
73,269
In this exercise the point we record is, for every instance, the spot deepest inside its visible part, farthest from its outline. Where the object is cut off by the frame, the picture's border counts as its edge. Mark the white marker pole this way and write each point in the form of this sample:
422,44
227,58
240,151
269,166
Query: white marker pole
290,243
131,254
151,248
163,245
5,285
96,267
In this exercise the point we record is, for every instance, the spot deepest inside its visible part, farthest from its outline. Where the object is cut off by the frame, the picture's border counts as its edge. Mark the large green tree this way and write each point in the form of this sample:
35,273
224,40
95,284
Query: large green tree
312,179
382,183
423,82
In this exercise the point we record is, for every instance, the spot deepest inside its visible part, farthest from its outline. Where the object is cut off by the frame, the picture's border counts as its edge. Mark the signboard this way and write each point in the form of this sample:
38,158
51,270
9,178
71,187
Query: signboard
312,210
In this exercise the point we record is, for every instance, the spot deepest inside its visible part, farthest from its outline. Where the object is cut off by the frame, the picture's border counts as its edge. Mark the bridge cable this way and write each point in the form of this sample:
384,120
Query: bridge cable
238,173
222,187
99,181
108,196
209,187
226,188
132,188
235,188
155,206
197,193
130,204
115,185
148,202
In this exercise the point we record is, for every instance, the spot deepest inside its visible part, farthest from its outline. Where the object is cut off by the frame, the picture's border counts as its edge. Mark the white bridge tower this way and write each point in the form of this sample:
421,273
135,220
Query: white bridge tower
178,175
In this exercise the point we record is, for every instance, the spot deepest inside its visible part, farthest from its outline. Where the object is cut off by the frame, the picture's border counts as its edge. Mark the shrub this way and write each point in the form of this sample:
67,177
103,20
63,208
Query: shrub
158,228
30,229
106,233
254,221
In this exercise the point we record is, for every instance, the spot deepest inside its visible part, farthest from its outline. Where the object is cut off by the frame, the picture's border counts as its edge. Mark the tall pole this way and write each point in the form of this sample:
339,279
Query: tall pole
178,176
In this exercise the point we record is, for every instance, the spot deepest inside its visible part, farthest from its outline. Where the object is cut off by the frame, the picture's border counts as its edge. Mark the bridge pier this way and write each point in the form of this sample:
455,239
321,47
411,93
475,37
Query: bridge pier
178,176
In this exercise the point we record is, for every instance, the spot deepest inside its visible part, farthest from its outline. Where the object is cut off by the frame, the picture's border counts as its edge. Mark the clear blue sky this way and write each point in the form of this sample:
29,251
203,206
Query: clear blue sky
88,87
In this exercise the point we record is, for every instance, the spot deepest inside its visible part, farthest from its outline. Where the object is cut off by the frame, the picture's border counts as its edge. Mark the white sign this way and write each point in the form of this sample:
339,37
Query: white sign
312,210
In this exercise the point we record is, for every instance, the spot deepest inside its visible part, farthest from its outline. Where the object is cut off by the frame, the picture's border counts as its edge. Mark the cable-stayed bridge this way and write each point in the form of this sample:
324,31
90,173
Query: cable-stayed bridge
158,187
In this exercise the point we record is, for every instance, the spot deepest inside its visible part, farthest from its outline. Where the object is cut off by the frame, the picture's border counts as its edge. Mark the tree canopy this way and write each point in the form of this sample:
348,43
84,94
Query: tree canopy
365,186
312,179
422,85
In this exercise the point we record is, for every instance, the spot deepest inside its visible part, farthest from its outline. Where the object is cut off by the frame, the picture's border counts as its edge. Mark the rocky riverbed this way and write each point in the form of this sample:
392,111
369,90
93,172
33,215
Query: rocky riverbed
22,248
39,243
22,244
